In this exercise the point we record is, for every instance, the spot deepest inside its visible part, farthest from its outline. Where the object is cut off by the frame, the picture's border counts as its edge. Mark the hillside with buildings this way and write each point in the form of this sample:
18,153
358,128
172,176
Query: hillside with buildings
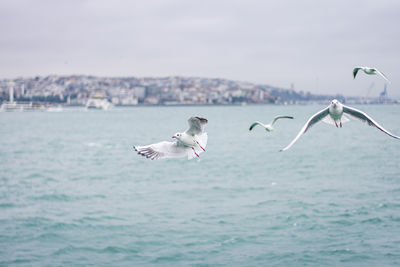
129,91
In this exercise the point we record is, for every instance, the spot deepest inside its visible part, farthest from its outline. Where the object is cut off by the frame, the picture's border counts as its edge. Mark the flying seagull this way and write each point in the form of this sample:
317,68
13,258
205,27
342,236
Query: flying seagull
189,143
268,127
335,111
370,71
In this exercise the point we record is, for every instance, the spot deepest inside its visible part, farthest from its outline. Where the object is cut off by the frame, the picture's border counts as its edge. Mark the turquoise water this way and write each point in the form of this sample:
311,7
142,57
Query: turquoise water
74,193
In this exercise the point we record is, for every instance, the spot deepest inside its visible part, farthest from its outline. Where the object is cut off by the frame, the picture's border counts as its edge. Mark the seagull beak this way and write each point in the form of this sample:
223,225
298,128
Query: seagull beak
174,136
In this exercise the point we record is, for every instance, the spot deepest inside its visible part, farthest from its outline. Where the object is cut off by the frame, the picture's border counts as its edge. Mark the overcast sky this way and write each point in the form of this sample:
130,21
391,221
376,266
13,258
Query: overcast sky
313,45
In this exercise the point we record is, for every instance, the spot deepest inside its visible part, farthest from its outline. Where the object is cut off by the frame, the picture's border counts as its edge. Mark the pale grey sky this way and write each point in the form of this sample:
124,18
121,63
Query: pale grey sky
312,44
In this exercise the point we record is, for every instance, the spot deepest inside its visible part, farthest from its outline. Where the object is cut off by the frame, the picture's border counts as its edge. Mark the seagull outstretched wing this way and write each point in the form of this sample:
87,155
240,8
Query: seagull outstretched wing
364,117
311,121
254,124
163,150
281,117
196,125
355,70
382,75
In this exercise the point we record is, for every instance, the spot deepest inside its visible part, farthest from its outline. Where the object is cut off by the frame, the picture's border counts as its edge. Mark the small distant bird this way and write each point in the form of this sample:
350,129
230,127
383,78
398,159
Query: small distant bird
335,111
369,71
268,127
190,143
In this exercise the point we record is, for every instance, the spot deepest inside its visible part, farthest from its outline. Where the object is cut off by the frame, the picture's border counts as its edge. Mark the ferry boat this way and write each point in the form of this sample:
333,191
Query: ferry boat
11,105
98,101
14,106
55,108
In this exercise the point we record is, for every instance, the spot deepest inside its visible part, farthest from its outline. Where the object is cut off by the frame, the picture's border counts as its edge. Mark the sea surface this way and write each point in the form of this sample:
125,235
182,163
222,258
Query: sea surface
73,192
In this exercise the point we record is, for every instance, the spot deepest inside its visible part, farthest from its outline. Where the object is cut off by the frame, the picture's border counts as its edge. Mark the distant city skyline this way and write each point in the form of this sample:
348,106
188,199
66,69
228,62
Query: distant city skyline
312,46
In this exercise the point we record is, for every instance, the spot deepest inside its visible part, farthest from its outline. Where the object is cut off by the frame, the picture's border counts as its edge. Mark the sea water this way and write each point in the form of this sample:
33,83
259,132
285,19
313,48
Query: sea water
73,192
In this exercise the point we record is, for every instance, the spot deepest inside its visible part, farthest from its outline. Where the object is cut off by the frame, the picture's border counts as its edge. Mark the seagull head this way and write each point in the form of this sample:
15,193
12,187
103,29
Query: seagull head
334,102
177,136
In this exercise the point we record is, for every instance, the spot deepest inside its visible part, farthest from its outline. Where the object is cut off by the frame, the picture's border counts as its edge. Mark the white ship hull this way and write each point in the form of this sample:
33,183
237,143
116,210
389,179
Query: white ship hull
94,103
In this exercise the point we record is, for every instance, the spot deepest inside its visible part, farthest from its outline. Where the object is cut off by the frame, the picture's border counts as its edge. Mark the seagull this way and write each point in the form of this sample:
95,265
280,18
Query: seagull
189,143
268,127
335,111
370,71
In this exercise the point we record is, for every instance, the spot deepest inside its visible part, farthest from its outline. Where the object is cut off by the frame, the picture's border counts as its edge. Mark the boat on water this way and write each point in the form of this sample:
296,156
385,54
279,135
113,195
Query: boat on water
54,109
98,101
12,105
28,106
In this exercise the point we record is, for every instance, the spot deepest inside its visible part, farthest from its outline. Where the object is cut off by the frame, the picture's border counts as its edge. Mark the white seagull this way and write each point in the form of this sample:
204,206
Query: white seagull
189,143
269,127
369,71
335,111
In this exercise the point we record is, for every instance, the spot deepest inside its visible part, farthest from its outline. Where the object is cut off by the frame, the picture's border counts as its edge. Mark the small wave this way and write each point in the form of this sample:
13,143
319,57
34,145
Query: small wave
36,221
34,175
53,197
394,219
70,249
340,251
276,227
17,261
373,220
266,202
114,249
356,258
7,205
62,226
296,217
232,241
93,144
258,188
168,258
97,178
49,236
97,219
64,197
316,227
112,218
389,205
217,188
110,249
395,190
342,222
